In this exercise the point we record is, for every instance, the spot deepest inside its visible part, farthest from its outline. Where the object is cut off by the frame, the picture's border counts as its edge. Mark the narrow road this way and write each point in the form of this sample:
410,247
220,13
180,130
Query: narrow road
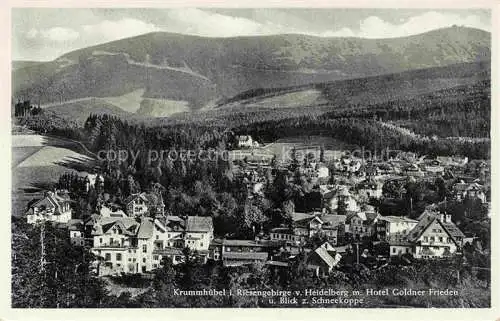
69,101
185,69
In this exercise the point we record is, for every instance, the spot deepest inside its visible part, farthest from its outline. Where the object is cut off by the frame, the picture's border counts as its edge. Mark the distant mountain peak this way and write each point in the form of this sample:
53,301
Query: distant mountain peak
195,71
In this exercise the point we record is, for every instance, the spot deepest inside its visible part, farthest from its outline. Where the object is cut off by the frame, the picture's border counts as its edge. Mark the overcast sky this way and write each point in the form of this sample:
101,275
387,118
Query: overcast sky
45,34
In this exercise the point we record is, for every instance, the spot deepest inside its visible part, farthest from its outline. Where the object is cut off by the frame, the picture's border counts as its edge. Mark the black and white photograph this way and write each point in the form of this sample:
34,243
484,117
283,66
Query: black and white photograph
283,157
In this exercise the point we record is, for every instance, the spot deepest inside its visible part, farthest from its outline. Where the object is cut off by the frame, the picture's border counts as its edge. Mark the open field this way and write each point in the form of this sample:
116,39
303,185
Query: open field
50,155
37,162
314,140
130,102
307,97
79,110
22,154
283,147
153,107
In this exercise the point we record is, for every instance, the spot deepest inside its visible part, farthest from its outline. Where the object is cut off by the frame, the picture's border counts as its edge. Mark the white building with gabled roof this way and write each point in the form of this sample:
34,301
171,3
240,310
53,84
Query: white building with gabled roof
246,141
394,227
140,204
53,207
435,236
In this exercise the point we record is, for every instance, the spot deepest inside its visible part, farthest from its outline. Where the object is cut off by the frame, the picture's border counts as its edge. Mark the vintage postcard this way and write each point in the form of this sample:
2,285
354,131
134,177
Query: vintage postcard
259,157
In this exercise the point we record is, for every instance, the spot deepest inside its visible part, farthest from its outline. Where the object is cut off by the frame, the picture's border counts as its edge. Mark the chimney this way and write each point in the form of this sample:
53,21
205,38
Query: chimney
448,218
442,218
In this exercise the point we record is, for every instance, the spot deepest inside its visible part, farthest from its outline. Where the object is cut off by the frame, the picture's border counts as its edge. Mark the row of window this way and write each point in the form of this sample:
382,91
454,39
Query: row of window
168,236
157,257
283,236
193,242
407,250
119,258
120,232
112,241
447,248
107,257
80,242
240,249
440,239
131,268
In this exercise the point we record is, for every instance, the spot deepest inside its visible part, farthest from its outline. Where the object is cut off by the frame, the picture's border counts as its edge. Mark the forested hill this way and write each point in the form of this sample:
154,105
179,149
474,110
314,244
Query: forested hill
459,112
465,109
366,90
197,71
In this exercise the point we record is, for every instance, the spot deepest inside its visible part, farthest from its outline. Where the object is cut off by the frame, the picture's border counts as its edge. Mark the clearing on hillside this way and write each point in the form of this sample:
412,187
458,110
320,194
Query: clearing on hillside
37,163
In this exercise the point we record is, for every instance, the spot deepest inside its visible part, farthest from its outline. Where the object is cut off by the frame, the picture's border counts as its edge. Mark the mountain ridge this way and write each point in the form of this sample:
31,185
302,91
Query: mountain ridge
180,35
200,70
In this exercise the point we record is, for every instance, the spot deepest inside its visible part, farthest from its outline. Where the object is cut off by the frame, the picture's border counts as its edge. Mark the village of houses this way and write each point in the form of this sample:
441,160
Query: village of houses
128,239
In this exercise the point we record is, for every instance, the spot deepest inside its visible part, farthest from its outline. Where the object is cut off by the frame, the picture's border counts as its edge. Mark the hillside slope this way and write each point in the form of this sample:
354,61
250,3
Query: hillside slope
19,64
341,96
201,70
79,111
363,91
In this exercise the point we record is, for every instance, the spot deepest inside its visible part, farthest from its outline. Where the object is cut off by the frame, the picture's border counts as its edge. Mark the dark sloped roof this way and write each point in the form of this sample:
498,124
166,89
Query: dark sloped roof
216,241
371,216
107,226
282,230
145,229
453,230
132,197
248,243
245,255
322,253
396,219
426,219
52,199
103,224
421,226
152,199
92,219
333,220
350,215
296,216
75,224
